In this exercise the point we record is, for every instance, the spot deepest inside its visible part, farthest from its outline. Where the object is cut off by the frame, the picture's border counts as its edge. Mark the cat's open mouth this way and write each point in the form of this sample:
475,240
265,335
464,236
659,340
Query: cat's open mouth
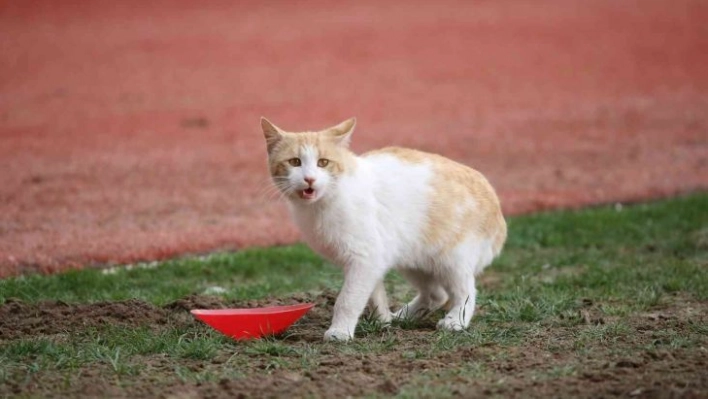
308,193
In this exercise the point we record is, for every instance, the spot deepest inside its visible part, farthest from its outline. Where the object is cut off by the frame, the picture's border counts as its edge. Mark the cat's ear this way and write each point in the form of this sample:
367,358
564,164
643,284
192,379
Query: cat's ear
342,133
272,133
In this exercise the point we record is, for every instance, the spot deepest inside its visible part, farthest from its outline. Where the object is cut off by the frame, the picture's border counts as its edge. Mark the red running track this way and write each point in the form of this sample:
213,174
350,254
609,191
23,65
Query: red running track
129,130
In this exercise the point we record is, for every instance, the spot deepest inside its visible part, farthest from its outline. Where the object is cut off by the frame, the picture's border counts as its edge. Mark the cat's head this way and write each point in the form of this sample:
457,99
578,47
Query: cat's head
307,166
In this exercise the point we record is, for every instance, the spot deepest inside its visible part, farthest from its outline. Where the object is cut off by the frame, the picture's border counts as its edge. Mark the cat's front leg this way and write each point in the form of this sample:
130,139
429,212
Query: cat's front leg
360,280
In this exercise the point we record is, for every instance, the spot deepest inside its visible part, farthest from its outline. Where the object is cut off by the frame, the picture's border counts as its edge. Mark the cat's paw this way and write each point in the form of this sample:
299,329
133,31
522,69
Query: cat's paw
404,313
337,335
450,324
408,313
401,314
385,318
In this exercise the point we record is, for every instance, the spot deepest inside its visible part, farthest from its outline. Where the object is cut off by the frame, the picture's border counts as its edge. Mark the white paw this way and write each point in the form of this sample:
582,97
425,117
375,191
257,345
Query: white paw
405,313
400,314
385,318
334,334
450,324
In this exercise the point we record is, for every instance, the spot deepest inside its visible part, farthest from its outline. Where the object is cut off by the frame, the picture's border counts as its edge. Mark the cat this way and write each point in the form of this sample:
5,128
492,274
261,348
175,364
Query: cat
436,221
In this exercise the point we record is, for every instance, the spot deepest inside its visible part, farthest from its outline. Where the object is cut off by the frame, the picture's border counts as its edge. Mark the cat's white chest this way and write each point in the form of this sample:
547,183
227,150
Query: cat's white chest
333,231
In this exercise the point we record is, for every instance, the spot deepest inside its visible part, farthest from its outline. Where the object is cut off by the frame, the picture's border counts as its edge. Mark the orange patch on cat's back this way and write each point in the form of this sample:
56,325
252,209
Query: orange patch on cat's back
461,201
404,154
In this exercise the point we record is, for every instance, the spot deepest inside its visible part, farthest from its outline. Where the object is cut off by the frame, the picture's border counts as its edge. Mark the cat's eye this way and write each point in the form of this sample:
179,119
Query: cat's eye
294,162
323,162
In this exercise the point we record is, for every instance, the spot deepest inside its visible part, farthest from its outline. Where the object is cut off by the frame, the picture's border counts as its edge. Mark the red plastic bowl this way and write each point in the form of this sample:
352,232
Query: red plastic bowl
253,322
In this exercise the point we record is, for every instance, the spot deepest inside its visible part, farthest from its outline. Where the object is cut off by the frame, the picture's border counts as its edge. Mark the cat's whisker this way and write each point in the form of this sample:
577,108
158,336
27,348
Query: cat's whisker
267,188
264,194
271,194
276,190
272,188
283,194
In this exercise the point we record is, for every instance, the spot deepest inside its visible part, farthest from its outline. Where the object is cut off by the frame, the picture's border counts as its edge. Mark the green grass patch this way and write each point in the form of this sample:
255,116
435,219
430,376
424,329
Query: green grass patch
249,274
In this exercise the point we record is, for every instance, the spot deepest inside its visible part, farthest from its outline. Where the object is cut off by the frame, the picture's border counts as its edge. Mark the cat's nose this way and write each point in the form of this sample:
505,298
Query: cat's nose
310,180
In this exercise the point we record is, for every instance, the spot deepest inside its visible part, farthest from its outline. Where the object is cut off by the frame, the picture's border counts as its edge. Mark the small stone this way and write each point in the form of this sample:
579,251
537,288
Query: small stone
291,376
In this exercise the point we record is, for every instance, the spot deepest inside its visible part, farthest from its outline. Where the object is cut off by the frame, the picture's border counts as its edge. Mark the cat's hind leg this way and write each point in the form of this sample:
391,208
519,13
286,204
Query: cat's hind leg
463,296
459,269
378,303
431,295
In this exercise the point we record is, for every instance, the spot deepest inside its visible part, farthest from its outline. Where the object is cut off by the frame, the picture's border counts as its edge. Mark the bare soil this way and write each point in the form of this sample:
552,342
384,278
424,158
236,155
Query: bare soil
129,130
544,365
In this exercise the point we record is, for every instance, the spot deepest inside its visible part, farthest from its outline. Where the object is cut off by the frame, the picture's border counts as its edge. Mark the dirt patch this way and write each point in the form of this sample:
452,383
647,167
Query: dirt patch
18,319
659,354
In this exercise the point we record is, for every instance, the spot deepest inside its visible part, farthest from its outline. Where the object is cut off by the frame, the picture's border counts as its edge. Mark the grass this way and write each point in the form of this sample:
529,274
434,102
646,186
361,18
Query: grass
580,274
253,273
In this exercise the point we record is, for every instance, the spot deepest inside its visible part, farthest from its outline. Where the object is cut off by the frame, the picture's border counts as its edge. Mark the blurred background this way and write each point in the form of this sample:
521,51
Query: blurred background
130,130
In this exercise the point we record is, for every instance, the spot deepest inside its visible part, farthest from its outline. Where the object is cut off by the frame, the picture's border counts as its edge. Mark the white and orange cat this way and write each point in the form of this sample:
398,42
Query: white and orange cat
434,220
